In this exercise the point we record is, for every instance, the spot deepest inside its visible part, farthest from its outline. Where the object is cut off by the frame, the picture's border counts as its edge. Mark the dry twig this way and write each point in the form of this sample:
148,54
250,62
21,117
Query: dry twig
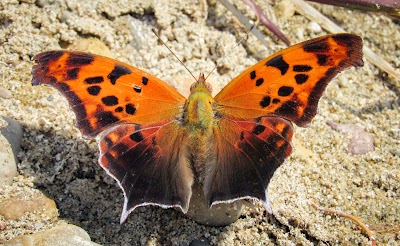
389,7
349,216
311,13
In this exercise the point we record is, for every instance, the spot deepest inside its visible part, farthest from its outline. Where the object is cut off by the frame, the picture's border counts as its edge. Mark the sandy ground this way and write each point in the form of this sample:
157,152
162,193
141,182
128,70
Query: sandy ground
56,160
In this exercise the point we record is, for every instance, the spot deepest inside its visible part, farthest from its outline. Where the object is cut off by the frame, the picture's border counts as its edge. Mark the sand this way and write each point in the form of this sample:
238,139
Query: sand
56,160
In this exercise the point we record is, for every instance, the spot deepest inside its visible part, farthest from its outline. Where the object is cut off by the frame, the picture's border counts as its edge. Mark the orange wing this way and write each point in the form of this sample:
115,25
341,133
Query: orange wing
290,83
103,92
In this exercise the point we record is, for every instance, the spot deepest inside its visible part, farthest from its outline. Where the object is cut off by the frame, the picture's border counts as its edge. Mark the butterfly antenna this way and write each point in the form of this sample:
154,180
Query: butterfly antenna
155,33
240,41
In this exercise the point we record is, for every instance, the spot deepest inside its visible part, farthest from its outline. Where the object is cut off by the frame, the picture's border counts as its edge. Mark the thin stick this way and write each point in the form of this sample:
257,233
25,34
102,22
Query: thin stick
244,20
312,14
349,216
267,22
155,33
389,7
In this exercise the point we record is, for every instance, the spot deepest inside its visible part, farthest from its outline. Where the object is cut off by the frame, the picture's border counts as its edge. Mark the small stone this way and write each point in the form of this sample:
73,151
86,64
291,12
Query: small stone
3,225
314,27
66,234
13,132
8,166
4,93
21,204
285,9
361,142
221,214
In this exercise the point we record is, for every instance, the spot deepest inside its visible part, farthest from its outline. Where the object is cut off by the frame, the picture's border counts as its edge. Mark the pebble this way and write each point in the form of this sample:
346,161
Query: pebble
361,141
8,166
13,132
314,27
4,93
218,215
285,9
65,234
10,144
22,203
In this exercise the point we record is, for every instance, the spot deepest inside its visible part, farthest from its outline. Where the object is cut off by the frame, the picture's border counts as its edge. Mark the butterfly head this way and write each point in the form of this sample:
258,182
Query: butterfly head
201,84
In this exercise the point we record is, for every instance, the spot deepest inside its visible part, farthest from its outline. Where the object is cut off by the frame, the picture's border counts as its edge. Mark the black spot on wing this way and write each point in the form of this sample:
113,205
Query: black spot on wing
285,91
301,78
278,63
94,90
253,75
258,129
259,81
119,109
72,73
117,72
301,68
94,80
110,100
276,100
130,109
145,80
322,59
265,102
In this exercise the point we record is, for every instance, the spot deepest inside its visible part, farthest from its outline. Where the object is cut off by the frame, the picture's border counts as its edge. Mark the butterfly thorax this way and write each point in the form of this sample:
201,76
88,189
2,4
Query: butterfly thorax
198,112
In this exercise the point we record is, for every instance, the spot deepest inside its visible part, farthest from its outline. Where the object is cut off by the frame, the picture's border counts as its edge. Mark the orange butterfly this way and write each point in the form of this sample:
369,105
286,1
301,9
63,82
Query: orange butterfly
156,143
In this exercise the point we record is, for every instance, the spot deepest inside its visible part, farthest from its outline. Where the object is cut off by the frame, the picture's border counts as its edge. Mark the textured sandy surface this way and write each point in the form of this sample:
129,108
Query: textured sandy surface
58,161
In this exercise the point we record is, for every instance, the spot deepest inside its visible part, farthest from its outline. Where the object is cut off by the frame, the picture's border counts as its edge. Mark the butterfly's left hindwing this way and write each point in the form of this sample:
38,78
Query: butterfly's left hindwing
149,163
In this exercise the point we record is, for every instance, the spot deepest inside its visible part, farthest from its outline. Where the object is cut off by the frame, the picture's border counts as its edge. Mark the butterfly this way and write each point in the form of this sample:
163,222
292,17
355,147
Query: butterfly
157,144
